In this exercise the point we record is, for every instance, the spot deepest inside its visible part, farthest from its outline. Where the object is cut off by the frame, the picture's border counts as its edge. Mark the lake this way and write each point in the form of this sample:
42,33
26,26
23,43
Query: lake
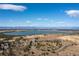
34,32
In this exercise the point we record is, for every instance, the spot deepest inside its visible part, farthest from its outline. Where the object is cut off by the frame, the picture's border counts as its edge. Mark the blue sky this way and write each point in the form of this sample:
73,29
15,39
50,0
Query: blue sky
39,15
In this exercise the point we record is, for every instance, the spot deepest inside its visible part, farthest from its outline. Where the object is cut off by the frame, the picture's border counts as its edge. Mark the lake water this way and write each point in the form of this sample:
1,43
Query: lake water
34,32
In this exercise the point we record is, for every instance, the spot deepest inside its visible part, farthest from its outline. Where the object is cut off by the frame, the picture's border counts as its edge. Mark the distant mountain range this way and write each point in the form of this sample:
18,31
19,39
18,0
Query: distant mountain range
75,28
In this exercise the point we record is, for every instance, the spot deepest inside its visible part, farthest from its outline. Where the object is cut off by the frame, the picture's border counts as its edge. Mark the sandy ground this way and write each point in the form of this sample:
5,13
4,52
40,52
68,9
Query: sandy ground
72,50
49,36
70,45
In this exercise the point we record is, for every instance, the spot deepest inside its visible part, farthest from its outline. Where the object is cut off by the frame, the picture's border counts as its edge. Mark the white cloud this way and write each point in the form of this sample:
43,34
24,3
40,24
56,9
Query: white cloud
12,7
72,13
42,18
60,22
28,22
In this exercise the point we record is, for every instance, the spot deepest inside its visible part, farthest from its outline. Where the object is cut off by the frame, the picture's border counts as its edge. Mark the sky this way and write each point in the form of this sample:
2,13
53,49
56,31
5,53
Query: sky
39,14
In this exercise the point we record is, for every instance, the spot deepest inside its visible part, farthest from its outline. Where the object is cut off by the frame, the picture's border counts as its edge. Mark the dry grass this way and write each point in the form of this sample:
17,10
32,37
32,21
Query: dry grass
41,45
